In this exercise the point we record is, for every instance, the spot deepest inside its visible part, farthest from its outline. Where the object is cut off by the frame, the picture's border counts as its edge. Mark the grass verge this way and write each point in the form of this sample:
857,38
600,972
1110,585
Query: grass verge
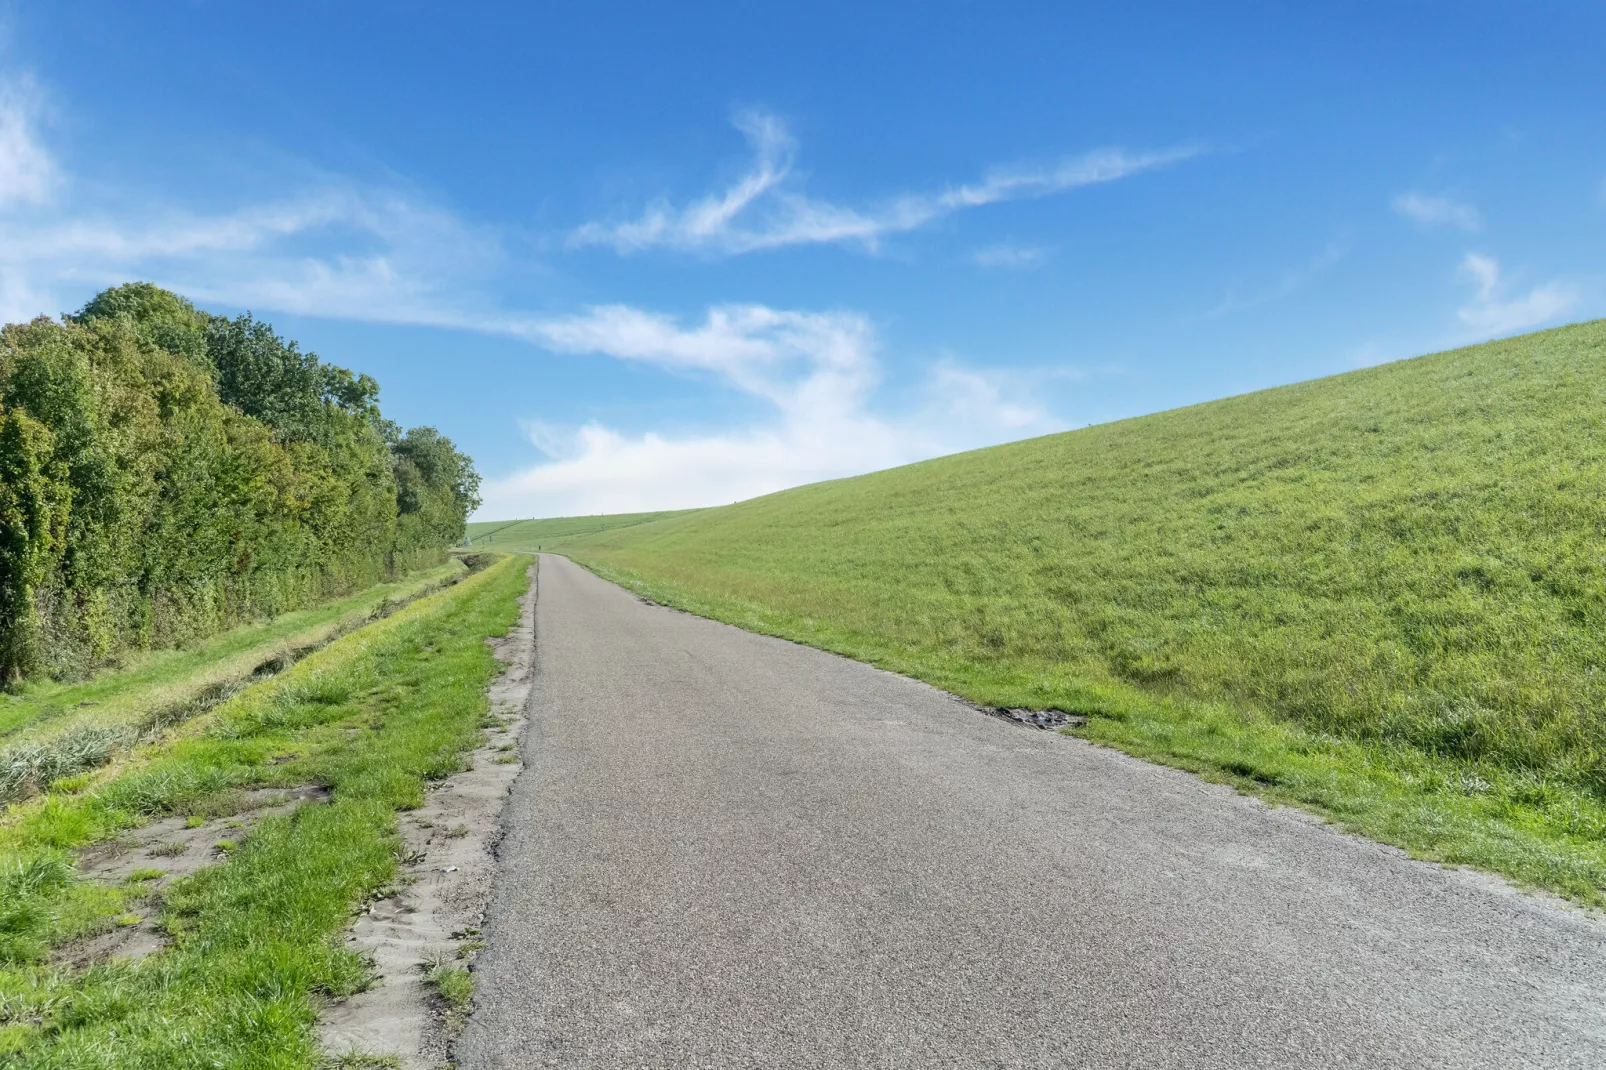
64,741
255,946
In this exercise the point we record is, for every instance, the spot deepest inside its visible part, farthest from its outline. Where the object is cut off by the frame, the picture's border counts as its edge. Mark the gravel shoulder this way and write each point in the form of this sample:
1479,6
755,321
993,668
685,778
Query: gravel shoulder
727,850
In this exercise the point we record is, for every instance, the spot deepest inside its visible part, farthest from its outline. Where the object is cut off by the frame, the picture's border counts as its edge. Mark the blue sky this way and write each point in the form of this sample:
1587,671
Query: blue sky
647,256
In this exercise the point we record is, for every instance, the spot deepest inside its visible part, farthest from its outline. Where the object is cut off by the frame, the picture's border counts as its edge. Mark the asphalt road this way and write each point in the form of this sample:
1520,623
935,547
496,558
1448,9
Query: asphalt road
731,851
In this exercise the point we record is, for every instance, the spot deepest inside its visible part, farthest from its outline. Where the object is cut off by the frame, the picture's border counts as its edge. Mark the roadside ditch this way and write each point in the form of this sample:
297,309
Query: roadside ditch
27,768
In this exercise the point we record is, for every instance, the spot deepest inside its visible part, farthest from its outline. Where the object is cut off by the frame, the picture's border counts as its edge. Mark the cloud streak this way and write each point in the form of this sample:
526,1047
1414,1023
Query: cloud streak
335,247
398,260
1490,312
1292,282
805,364
763,209
1005,255
1428,211
28,175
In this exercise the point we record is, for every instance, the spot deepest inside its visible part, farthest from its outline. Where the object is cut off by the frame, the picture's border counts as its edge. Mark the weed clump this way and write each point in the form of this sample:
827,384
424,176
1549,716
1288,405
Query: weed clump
451,982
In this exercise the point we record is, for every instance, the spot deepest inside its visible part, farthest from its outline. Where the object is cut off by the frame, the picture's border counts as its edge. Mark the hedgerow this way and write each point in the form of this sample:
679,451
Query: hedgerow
166,473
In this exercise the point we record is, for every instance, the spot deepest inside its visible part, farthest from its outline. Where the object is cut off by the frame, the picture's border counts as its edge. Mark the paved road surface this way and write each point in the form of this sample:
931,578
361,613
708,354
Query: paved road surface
731,851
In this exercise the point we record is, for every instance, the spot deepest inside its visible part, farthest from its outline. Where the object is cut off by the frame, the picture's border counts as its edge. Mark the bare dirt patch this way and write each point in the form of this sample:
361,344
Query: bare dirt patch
165,850
430,927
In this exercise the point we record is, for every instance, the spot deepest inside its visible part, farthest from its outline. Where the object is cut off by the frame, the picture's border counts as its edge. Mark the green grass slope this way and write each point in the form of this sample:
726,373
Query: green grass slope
1381,594
513,535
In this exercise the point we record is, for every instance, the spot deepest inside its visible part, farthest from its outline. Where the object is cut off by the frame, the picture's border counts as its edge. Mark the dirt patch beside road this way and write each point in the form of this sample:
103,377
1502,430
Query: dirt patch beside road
430,926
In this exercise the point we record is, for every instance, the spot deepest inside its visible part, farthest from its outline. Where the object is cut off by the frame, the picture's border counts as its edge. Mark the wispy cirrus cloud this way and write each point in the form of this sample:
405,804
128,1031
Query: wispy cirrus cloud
807,363
1007,255
1438,211
1492,312
1289,284
764,209
392,263
28,174
334,247
816,370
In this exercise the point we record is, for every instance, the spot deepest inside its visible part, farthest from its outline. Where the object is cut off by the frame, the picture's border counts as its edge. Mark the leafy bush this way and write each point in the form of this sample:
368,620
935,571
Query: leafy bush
165,473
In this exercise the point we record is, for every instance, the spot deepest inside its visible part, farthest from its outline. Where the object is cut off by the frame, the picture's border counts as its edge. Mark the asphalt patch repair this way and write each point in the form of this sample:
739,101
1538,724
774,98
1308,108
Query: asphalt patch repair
1036,718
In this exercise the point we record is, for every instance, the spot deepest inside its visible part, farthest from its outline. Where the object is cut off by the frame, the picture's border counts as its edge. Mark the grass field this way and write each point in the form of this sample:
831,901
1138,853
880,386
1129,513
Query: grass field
527,535
255,938
1380,595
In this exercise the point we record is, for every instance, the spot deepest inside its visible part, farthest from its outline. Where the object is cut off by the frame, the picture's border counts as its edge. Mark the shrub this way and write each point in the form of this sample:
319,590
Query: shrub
166,473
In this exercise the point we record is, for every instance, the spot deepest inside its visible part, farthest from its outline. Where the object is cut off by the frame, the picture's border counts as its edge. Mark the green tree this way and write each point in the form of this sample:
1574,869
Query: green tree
436,488
165,472
34,502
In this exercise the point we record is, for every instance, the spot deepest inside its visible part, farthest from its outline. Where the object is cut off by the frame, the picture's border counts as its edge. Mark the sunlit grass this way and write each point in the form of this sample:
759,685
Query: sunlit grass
152,680
528,535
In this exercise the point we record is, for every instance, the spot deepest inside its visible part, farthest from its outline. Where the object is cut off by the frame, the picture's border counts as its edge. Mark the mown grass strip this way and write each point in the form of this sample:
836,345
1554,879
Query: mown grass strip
529,535
374,716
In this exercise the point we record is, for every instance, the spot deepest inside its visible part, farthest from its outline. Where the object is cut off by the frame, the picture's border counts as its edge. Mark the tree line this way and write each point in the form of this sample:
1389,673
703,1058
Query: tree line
166,473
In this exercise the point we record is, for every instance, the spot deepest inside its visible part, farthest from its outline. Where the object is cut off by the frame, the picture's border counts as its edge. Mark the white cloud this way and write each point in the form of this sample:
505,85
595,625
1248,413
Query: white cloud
399,260
336,247
816,370
1439,211
762,210
975,399
397,257
803,363
28,175
1492,313
604,471
1005,255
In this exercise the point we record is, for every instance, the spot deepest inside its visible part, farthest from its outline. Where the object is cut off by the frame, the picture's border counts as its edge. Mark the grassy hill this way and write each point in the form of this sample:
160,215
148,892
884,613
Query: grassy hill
1381,595
528,534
